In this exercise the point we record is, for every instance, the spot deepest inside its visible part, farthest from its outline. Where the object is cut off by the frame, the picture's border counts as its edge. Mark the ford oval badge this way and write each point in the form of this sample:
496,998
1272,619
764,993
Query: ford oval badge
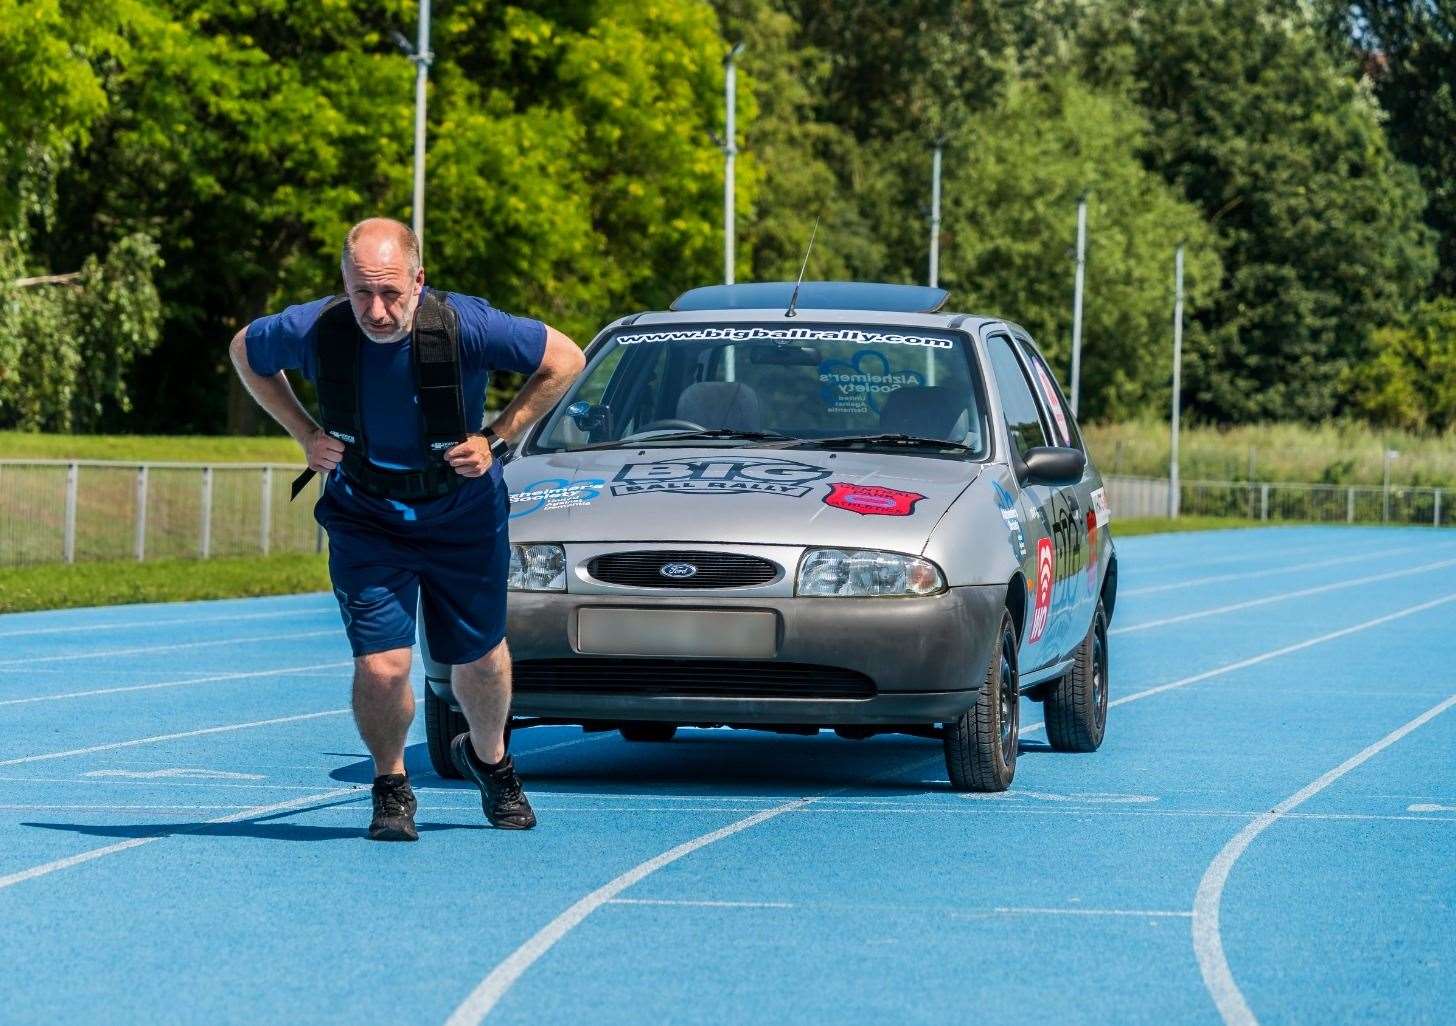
678,571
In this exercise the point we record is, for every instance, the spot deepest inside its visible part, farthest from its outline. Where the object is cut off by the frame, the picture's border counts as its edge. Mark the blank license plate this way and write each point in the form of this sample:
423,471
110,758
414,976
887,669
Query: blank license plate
741,634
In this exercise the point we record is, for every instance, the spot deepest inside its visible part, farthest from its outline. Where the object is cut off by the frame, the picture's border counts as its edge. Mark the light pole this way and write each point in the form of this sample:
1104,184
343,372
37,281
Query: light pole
935,214
421,55
1173,485
730,151
1077,302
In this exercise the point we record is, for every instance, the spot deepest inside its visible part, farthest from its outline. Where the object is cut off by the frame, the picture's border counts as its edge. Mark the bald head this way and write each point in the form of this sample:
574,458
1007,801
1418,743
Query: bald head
382,277
378,239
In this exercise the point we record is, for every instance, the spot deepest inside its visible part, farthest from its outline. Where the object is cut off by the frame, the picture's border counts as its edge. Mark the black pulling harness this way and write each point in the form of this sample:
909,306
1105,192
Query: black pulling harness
436,358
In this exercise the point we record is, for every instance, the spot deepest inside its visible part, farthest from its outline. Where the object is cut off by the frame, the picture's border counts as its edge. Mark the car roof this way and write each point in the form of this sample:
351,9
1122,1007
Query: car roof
834,302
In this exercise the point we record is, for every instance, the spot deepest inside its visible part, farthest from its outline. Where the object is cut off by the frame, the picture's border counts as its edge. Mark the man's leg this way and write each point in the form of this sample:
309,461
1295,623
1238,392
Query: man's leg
483,689
384,706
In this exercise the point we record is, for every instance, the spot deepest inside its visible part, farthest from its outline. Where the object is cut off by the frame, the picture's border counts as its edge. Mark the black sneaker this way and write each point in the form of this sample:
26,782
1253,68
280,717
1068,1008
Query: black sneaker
501,796
394,809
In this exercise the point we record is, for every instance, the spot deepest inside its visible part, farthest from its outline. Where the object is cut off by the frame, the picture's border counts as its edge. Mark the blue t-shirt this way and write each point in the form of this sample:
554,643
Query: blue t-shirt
489,340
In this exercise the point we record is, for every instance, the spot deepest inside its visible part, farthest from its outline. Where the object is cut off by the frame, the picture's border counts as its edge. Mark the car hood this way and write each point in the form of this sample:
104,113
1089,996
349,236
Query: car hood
753,496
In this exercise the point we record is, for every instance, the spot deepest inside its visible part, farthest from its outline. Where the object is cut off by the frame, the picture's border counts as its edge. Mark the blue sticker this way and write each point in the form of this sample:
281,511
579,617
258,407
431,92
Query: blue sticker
858,384
1007,505
554,493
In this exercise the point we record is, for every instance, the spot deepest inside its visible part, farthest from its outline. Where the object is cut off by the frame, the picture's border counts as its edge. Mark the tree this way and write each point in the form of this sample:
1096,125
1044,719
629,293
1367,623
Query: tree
1408,50
1409,380
68,341
1318,224
1012,185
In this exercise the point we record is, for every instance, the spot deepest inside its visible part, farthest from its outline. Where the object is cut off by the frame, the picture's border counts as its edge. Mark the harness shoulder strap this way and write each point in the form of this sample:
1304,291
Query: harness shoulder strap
436,352
338,372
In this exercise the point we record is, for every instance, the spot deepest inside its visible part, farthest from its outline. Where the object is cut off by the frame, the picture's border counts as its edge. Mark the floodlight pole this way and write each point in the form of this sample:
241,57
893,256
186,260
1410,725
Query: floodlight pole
1077,303
730,152
935,215
422,57
1173,485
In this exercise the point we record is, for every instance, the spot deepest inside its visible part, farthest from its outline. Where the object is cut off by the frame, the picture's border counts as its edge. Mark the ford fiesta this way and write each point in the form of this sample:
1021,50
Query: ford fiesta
840,508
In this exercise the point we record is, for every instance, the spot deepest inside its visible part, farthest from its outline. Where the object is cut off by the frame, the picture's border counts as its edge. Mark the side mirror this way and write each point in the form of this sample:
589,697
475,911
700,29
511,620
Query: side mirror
586,416
1053,465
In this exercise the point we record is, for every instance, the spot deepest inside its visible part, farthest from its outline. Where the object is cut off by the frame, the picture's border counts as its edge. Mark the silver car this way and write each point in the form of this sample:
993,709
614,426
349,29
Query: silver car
841,508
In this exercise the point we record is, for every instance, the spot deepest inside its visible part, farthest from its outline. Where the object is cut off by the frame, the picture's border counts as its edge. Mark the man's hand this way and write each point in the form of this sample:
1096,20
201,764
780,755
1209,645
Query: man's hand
323,450
471,458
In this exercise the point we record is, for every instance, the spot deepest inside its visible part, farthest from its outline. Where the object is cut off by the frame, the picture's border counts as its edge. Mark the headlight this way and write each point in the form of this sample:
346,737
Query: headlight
866,573
537,568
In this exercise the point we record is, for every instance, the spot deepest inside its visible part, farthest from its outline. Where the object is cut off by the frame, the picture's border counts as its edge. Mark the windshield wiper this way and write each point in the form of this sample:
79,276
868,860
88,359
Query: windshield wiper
891,439
677,436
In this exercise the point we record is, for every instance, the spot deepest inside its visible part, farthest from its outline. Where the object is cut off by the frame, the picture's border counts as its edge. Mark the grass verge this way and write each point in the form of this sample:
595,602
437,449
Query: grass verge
61,586
1127,527
158,448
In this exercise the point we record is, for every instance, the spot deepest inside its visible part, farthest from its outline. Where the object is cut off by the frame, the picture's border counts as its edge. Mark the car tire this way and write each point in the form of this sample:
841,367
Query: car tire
981,744
1076,708
648,731
444,724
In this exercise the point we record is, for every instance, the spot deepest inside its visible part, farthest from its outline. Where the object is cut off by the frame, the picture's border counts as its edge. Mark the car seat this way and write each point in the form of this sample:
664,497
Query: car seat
720,404
927,411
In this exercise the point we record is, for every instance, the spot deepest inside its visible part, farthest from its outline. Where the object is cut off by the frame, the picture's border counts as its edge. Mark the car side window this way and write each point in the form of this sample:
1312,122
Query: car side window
1023,418
1063,423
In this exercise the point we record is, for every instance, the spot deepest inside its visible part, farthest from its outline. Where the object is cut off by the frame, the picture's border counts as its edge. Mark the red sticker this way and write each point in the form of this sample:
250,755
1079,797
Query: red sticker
1091,549
871,501
1045,568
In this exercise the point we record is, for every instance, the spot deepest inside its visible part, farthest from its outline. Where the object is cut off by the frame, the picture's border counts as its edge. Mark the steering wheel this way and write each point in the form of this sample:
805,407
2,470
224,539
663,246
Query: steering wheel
668,424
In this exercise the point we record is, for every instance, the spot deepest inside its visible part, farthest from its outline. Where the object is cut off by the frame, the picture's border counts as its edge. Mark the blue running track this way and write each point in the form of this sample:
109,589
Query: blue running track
1267,835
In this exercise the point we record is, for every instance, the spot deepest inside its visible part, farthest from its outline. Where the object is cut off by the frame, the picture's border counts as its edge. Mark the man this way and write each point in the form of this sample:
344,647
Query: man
414,503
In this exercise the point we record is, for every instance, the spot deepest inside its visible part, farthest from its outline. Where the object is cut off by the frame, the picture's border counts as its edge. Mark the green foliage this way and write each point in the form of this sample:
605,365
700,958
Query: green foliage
1011,193
1318,225
1408,48
1409,380
66,348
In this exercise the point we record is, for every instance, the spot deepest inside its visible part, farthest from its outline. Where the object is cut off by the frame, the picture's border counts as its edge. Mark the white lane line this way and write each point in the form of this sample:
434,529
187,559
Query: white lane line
1219,671
111,808
1282,597
1004,910
1243,557
137,842
1429,807
170,737
177,683
491,989
30,660
91,628
701,904
1269,572
1207,940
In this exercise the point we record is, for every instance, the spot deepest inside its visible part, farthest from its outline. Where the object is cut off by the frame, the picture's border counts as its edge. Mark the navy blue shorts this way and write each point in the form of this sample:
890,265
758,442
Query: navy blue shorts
455,571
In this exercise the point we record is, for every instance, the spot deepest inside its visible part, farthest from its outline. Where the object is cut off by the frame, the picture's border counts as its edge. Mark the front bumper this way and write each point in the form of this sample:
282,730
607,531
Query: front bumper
924,657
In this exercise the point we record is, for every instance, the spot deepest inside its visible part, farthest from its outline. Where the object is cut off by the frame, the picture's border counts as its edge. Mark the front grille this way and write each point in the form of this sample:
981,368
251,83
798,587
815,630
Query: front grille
714,678
710,569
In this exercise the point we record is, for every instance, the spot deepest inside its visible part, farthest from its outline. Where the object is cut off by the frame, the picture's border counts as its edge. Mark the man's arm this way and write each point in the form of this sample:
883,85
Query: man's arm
560,364
276,396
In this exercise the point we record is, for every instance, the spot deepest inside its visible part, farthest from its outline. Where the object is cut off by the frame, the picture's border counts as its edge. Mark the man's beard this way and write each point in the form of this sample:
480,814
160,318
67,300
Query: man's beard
392,335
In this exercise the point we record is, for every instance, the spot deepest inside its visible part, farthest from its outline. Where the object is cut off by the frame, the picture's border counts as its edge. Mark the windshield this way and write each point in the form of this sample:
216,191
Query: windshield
742,383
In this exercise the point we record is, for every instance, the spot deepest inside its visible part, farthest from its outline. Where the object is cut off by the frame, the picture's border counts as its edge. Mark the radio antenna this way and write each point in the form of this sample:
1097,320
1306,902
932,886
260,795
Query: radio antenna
794,296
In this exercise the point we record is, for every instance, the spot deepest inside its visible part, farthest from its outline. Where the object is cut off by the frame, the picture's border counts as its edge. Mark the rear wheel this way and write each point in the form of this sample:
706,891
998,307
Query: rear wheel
648,731
1076,709
981,744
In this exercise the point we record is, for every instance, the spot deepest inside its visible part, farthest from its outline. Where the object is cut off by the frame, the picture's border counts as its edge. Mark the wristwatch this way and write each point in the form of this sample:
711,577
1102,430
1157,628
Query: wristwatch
495,441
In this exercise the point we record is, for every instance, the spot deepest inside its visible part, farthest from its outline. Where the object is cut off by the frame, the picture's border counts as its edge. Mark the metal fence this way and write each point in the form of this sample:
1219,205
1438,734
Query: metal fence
54,511
1281,500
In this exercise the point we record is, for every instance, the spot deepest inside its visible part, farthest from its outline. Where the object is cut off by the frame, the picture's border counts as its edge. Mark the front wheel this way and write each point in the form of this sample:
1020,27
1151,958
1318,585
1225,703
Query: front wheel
444,724
1076,709
981,744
